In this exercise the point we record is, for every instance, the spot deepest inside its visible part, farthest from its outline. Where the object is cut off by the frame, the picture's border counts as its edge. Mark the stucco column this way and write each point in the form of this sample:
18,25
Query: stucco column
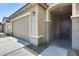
73,9
47,22
75,27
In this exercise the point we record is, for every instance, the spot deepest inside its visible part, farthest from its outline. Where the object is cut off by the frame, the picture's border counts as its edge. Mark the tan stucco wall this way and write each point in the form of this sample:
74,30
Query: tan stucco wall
77,8
75,33
0,28
8,28
34,26
36,22
39,37
75,26
41,23
32,23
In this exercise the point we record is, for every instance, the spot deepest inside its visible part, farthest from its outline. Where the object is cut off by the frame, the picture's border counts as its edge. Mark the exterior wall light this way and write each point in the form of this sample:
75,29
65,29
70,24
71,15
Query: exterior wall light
33,13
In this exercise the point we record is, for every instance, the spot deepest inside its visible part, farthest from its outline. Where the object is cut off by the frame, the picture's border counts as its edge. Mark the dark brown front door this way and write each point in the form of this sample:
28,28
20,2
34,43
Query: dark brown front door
64,26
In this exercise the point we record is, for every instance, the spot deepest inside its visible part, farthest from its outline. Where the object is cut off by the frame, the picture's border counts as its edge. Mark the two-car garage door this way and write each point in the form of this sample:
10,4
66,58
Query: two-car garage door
21,28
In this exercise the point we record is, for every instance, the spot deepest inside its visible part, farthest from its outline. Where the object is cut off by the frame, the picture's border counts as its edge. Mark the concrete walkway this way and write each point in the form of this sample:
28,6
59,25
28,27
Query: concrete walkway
13,46
54,51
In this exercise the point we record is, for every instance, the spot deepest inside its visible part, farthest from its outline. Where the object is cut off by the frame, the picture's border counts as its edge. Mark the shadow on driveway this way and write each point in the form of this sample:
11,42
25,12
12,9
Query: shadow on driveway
2,35
23,42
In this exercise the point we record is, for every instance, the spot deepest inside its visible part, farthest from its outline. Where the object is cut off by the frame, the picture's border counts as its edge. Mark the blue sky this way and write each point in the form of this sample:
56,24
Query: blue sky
6,9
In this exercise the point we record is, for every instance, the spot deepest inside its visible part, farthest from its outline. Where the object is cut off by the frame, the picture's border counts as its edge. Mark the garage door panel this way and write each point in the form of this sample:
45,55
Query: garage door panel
21,28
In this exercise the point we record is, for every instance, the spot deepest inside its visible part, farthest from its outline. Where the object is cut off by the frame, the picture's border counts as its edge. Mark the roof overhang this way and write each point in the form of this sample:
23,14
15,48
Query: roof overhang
24,7
18,11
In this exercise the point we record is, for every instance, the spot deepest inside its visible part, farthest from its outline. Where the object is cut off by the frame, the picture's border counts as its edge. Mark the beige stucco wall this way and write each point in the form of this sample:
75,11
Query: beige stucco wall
41,23
36,23
0,28
32,22
75,33
39,38
77,8
8,28
75,26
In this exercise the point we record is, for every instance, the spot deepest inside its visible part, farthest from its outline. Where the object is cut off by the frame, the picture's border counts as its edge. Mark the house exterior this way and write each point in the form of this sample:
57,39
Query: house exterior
0,27
39,23
5,25
25,24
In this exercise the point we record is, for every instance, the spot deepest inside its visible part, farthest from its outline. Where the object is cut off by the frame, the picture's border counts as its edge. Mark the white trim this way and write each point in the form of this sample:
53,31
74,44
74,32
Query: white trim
75,16
21,16
36,36
47,20
53,5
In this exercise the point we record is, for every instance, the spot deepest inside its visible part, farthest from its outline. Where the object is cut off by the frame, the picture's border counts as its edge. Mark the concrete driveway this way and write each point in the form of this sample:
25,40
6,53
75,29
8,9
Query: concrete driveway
10,46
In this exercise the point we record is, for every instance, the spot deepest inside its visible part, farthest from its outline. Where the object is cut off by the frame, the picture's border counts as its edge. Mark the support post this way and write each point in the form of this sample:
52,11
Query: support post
47,22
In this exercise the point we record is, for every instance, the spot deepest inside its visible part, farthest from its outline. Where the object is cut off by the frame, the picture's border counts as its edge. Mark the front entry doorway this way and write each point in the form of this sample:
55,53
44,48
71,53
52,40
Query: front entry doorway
61,26
64,27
